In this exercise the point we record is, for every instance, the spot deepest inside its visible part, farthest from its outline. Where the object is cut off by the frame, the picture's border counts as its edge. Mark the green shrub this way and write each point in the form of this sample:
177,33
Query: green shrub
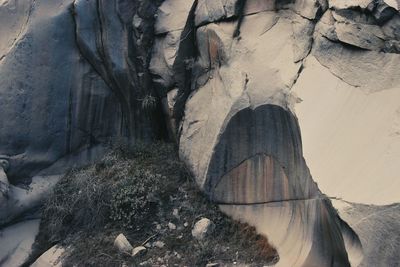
149,102
134,197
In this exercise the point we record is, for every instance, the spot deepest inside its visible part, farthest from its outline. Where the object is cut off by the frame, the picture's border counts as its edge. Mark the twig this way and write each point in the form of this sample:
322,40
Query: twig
106,255
148,239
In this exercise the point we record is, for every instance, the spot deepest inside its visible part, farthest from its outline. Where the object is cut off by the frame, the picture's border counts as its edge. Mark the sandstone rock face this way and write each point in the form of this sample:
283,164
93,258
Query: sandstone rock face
69,78
273,104
236,123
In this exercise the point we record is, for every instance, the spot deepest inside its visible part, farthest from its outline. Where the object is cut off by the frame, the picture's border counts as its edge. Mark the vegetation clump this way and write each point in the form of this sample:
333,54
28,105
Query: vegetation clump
140,191
133,197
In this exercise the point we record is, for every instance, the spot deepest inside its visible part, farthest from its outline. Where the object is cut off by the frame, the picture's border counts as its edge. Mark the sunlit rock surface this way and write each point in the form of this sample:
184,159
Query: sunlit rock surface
276,106
244,100
337,135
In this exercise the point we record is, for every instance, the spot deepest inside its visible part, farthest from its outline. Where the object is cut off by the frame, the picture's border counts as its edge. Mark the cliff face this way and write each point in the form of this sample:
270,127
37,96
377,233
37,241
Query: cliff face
237,83
73,74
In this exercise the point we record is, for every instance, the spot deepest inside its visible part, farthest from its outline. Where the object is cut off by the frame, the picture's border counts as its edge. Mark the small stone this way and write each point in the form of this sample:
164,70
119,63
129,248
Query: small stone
171,226
123,244
139,251
158,227
186,224
158,244
137,21
175,212
202,228
177,255
215,264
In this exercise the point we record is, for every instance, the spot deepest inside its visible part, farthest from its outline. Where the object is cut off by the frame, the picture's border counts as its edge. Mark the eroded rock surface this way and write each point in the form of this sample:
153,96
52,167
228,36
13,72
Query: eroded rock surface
71,78
237,126
241,85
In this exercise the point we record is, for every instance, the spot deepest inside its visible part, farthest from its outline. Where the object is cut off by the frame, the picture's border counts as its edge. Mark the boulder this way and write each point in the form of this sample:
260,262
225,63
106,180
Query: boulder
364,36
139,251
122,244
213,10
51,258
202,228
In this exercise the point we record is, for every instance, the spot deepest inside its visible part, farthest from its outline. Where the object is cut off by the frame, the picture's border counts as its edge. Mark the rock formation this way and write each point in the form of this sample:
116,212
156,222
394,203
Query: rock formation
241,85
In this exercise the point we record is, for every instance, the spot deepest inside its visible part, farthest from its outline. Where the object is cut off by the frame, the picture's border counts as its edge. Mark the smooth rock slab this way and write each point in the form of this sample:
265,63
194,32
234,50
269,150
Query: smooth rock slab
341,123
51,258
16,242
